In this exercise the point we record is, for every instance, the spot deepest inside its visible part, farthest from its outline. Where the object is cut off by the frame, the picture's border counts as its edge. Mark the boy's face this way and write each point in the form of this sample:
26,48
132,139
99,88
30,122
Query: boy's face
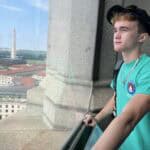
126,36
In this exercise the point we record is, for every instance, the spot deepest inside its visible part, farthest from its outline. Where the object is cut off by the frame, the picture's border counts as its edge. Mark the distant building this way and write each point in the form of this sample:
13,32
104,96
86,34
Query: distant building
9,106
6,80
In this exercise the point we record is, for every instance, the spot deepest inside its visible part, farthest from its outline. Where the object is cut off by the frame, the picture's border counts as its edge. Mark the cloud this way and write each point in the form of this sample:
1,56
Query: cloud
11,8
40,4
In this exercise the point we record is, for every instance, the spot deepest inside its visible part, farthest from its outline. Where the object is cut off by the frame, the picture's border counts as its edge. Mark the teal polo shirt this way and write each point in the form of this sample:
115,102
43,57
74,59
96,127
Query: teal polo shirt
134,78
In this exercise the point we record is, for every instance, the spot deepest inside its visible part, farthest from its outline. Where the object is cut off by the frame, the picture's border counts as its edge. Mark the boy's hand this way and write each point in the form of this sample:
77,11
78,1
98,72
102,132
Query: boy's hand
89,120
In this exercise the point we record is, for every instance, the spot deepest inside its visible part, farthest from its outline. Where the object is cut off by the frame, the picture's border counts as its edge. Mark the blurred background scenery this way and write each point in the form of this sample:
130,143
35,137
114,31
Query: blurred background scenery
23,48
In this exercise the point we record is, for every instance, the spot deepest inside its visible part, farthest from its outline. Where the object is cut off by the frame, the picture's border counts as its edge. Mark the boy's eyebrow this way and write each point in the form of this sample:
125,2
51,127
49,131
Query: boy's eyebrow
122,27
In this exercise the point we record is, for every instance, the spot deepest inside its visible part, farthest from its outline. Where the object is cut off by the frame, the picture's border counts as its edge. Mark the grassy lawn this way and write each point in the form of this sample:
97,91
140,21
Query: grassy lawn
31,61
3,67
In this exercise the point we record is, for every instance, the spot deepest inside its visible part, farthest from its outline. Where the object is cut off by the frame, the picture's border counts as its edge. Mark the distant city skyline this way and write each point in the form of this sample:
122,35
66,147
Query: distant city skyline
30,20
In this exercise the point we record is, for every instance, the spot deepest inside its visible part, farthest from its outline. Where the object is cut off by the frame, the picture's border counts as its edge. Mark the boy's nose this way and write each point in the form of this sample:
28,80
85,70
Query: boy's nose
117,35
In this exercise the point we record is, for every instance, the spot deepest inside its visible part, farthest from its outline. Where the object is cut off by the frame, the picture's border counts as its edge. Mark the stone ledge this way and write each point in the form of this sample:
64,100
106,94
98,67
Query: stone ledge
35,96
25,131
32,140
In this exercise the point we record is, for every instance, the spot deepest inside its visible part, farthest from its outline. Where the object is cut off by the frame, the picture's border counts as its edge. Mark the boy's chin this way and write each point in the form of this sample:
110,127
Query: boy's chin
118,50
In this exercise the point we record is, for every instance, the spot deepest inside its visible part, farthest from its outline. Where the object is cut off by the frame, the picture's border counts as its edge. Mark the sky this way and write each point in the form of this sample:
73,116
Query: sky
30,20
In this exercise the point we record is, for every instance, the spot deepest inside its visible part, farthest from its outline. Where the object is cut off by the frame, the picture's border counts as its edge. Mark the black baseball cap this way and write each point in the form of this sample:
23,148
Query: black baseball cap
140,14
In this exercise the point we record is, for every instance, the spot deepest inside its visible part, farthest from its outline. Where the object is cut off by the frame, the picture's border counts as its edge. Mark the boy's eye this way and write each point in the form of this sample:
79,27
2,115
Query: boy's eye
124,29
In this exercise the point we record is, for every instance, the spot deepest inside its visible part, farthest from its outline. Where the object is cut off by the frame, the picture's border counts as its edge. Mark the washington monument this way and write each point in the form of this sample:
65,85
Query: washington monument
13,49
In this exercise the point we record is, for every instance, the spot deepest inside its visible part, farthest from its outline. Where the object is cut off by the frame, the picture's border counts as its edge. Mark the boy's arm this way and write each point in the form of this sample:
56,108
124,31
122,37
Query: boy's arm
108,109
122,125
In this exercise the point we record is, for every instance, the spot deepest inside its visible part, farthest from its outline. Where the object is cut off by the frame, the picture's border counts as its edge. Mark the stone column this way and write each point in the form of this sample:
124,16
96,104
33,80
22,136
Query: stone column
71,46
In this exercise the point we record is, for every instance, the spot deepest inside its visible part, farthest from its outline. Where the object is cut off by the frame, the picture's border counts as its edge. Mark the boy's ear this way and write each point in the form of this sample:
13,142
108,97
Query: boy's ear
143,37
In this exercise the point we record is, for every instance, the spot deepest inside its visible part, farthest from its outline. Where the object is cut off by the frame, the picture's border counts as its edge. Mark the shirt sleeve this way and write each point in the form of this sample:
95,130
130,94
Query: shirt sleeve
143,86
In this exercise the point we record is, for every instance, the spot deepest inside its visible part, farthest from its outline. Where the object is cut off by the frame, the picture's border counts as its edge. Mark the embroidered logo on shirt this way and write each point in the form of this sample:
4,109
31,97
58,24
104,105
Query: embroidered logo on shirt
131,87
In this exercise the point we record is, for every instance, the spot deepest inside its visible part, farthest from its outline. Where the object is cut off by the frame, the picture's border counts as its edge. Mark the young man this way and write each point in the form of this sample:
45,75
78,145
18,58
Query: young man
131,127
